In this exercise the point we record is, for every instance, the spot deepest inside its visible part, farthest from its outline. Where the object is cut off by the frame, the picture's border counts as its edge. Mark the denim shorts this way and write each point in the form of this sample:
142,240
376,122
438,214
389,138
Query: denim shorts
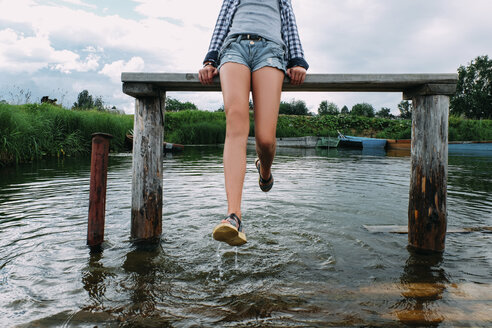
255,54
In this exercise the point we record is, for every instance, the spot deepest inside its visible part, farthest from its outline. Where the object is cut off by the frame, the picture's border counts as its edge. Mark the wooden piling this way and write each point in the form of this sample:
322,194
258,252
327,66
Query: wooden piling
146,220
427,202
97,195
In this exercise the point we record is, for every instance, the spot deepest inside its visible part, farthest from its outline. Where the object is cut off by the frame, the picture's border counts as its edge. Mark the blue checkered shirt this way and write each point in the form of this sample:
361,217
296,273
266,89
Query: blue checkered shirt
290,35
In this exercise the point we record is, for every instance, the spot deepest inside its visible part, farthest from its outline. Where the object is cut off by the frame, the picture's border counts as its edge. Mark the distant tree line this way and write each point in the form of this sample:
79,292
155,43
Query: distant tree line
85,101
365,109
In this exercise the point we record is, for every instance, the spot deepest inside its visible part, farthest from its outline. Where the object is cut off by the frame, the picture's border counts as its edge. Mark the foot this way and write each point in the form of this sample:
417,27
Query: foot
265,184
230,230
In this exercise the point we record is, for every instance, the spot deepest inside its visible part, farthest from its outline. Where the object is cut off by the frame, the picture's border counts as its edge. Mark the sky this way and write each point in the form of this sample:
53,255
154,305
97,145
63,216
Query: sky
58,48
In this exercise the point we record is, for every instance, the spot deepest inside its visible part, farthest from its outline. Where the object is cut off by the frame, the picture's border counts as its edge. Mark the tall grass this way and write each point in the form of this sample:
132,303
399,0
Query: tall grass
28,132
31,131
468,130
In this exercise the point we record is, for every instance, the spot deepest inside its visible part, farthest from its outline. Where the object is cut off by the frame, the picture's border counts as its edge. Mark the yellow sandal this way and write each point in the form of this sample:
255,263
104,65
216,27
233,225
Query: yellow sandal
230,230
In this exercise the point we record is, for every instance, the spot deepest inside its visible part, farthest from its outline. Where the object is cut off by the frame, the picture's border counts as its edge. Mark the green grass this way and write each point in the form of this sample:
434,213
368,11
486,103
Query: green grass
467,130
29,132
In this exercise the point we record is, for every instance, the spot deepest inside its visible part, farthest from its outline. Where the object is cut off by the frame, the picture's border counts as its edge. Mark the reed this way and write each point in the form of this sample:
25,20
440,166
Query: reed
29,132
461,129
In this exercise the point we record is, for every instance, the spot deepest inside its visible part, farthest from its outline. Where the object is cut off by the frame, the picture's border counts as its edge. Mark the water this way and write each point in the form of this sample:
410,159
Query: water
308,261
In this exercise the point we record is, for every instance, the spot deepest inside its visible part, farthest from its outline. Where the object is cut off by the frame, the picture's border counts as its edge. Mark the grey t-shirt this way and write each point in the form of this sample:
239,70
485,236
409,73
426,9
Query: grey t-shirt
261,17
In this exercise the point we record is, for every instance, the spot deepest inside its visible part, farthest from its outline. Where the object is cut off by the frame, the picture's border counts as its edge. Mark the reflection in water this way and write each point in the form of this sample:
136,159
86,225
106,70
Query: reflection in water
94,280
142,270
423,282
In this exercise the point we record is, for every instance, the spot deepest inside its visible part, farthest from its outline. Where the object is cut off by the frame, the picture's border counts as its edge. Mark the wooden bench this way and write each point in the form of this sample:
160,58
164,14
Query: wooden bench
430,96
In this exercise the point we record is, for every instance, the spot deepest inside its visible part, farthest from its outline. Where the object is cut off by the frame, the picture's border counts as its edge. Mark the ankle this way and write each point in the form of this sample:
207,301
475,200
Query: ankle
237,213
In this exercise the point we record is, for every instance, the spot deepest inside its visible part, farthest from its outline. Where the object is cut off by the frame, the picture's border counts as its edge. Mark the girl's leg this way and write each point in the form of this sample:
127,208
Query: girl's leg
235,80
266,87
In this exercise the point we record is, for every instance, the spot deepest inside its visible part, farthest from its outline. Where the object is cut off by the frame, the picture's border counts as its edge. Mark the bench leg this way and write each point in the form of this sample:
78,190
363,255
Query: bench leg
146,221
427,200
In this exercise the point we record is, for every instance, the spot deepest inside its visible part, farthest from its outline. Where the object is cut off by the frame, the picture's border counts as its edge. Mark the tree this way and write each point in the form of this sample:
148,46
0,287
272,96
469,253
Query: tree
174,105
344,110
384,112
363,109
328,108
473,98
295,107
84,101
99,104
405,108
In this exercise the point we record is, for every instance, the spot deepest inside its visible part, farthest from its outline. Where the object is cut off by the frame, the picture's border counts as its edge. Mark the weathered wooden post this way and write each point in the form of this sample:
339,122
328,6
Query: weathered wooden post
148,130
427,217
97,195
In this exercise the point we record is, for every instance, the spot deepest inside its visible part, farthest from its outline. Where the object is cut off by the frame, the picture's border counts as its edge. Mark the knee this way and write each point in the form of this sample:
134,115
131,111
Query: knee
237,124
265,142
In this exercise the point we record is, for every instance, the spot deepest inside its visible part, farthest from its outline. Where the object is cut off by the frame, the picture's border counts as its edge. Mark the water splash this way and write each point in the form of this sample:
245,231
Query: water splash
219,262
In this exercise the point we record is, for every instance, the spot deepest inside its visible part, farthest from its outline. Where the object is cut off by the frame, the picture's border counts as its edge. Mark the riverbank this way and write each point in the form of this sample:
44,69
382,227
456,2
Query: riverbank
29,132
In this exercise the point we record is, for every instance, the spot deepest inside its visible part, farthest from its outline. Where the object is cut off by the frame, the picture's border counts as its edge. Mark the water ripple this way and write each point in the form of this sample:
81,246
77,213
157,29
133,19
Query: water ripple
308,260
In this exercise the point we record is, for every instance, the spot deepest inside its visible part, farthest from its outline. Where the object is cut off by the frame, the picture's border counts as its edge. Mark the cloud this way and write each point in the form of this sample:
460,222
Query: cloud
19,53
113,70
80,3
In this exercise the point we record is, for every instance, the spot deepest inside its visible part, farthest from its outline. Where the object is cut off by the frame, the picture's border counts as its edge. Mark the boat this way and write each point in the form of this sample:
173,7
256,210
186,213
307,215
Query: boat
327,142
454,147
478,148
172,147
167,146
360,142
398,144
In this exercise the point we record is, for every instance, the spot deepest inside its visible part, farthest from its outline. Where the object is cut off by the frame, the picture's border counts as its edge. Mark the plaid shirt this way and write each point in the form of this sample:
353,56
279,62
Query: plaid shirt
290,35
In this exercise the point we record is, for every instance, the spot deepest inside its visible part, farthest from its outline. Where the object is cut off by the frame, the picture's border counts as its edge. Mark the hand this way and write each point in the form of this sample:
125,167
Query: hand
206,74
297,74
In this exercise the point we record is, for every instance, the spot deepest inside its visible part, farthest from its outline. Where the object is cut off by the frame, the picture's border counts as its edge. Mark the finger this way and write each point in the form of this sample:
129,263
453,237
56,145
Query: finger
295,77
289,73
292,76
200,77
303,77
210,73
206,77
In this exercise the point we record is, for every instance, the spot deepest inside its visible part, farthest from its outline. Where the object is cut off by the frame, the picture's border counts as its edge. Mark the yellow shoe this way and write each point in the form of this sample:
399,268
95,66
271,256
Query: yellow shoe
230,230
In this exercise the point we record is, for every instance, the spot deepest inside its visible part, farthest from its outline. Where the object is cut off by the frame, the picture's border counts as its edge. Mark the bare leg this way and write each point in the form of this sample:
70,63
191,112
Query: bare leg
235,81
267,87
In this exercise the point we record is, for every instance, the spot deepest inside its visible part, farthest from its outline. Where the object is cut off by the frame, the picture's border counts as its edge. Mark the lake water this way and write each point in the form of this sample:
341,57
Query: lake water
309,261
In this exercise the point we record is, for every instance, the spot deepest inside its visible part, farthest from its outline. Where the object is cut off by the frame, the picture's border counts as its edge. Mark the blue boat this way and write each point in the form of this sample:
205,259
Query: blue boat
360,142
474,148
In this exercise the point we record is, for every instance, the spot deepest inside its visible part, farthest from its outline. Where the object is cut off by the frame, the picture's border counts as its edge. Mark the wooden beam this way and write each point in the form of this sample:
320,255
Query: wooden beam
313,82
430,89
139,90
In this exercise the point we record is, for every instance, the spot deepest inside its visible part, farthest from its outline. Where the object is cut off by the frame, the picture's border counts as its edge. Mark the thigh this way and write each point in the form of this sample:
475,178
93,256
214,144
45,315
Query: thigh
267,88
235,81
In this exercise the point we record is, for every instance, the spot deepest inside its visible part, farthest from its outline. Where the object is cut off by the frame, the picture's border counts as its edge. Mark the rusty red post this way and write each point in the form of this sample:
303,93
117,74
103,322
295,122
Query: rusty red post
97,195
